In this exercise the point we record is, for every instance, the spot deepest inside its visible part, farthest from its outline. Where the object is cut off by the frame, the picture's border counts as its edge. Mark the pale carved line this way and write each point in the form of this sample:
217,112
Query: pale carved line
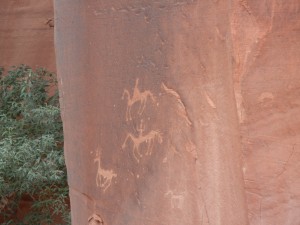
182,110
137,96
149,139
95,220
177,199
103,177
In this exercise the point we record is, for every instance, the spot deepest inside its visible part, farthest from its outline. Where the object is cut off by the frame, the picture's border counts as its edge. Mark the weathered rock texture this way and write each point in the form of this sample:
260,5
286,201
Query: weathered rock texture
266,37
167,103
26,33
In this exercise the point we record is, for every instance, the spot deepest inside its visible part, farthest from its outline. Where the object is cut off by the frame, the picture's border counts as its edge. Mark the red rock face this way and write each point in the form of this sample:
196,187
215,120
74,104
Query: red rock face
175,112
149,94
150,119
26,33
266,37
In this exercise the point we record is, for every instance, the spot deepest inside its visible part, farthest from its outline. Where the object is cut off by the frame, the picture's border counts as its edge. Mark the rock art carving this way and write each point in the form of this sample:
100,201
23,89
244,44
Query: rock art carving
177,199
95,220
182,110
103,177
209,100
191,148
148,139
173,148
137,96
266,96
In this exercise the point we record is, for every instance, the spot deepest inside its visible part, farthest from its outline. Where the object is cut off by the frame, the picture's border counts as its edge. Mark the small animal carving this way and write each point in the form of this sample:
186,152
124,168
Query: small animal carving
103,177
177,199
137,96
95,220
140,139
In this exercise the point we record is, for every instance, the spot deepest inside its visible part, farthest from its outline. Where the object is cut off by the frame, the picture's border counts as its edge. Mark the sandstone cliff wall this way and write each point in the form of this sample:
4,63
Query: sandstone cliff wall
209,88
26,33
225,112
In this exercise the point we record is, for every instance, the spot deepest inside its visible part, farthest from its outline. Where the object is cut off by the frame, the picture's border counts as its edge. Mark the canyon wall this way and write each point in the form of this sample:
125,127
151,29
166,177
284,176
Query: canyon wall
175,111
266,51
181,112
26,33
150,120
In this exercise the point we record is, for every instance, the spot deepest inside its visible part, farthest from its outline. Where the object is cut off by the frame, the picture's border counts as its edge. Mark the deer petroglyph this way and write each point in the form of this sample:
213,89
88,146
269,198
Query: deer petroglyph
103,177
137,96
137,141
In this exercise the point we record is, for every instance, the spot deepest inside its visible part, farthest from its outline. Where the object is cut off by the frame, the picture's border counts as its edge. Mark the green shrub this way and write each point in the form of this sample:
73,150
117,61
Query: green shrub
31,147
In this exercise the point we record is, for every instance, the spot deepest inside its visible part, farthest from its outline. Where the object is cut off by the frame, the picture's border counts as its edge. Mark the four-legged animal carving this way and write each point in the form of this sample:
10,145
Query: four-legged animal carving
137,96
103,177
140,139
177,199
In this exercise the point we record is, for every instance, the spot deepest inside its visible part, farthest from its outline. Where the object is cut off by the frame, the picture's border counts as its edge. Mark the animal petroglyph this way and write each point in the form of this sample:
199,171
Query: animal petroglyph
177,199
148,139
103,177
137,96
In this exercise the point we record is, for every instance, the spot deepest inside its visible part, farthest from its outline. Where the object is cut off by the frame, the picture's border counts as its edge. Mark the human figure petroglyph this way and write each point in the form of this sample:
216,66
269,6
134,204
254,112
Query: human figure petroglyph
103,177
137,96
140,139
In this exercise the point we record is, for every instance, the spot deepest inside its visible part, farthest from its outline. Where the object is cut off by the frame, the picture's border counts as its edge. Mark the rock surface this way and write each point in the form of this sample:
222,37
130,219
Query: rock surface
181,112
208,129
26,33
266,37
150,119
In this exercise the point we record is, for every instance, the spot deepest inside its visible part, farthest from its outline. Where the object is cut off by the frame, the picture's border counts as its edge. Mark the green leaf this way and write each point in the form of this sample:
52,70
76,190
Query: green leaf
31,153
